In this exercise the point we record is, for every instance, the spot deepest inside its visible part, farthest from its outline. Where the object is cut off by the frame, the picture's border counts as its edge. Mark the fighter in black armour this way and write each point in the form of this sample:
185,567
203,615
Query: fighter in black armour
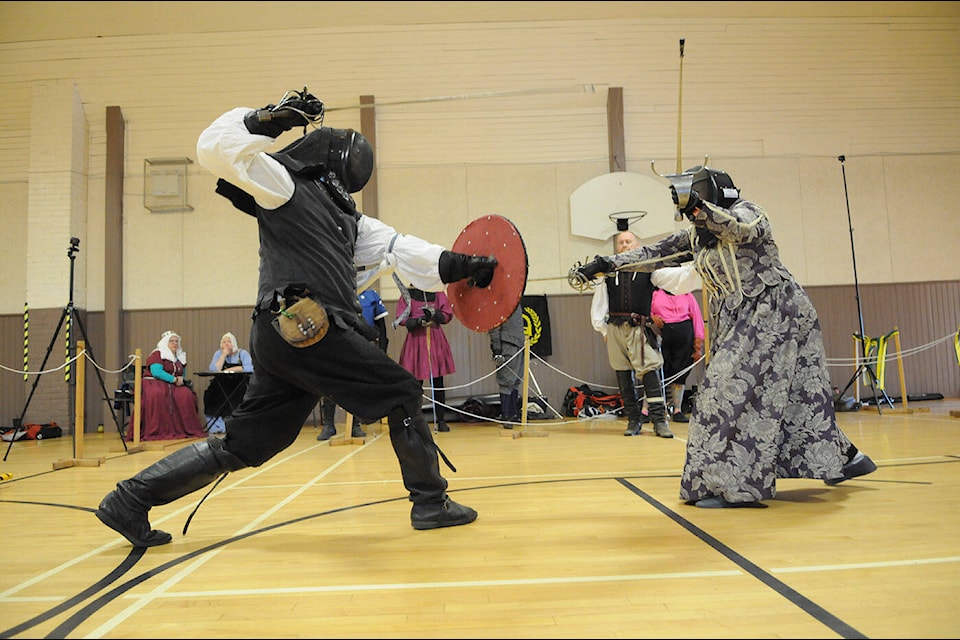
308,338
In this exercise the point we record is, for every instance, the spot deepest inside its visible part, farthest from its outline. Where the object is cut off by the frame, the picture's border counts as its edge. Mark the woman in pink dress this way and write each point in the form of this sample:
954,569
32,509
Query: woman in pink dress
168,404
425,352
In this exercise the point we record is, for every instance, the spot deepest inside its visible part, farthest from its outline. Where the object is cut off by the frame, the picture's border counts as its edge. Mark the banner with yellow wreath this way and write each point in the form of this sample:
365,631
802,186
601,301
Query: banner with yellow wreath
536,324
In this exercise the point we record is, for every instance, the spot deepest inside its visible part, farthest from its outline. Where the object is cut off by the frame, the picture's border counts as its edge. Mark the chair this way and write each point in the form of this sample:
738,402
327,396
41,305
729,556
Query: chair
123,397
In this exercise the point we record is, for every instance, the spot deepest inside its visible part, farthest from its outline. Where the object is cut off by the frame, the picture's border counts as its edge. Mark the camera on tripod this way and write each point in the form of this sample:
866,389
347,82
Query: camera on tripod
74,246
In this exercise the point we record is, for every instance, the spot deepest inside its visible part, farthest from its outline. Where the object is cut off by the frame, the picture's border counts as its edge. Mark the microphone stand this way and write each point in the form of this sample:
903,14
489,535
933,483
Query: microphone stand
861,338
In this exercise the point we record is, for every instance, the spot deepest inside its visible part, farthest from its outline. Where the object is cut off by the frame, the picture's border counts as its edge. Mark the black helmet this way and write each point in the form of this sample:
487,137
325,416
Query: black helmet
343,151
712,185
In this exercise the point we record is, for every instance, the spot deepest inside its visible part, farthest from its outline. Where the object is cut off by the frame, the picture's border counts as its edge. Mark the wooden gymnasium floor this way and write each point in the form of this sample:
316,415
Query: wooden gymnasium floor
581,534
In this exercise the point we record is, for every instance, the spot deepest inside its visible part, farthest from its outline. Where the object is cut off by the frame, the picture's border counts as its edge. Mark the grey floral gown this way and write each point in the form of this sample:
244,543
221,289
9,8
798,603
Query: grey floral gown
764,409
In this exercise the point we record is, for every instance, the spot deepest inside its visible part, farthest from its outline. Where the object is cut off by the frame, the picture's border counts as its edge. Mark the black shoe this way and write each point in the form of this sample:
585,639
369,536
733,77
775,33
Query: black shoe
130,520
357,432
446,514
679,417
442,426
717,502
633,428
861,465
662,429
327,433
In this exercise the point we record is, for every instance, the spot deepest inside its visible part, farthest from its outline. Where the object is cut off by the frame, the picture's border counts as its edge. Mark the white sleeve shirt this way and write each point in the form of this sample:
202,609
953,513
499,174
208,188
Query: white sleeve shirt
229,151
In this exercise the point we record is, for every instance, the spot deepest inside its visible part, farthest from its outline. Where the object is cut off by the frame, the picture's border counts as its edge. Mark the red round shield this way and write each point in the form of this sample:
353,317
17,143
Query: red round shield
484,309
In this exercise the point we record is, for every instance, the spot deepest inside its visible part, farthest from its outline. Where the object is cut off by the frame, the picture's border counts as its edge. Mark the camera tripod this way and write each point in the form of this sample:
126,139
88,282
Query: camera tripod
69,312
862,337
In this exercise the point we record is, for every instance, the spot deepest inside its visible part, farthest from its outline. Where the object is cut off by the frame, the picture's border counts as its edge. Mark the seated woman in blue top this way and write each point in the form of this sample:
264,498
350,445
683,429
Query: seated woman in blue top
168,404
228,358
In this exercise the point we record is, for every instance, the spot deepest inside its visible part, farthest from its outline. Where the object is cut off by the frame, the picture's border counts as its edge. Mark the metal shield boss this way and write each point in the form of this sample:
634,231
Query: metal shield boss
487,308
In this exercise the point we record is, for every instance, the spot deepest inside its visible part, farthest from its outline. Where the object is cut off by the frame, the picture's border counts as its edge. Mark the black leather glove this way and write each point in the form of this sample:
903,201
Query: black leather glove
428,315
694,202
412,323
296,109
478,270
599,264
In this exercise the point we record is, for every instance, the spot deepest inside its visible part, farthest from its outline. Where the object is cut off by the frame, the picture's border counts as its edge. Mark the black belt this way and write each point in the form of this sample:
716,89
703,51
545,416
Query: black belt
626,317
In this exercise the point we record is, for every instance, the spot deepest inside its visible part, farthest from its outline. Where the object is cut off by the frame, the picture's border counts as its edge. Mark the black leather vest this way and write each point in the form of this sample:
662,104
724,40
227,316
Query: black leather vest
629,292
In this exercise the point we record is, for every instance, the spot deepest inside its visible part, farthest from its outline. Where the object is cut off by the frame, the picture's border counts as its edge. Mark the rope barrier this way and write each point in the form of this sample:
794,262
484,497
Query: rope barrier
66,364
831,362
955,338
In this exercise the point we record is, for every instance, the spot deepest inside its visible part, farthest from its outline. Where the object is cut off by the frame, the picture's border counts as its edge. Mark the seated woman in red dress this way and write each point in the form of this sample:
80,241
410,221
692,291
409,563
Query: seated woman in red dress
168,406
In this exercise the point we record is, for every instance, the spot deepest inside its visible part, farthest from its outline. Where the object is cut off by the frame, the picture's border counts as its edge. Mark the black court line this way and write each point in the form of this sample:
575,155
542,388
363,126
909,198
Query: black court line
828,619
129,562
132,558
820,614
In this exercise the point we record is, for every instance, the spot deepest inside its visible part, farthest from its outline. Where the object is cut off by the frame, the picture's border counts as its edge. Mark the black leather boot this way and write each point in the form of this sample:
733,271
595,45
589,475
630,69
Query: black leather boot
328,413
506,411
420,469
631,407
184,471
516,407
356,431
440,399
653,387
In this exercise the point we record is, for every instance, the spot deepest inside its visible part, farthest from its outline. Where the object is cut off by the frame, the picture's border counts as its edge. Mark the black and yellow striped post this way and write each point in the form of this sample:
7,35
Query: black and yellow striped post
66,357
26,341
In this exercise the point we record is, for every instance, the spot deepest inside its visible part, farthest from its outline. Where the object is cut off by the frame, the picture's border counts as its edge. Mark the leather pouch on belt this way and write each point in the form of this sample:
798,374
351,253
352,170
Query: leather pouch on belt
302,324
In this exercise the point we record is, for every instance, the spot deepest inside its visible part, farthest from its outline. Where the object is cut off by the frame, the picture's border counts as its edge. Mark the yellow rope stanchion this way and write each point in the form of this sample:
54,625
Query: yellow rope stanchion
956,348
137,397
80,404
137,410
868,344
526,381
79,419
525,430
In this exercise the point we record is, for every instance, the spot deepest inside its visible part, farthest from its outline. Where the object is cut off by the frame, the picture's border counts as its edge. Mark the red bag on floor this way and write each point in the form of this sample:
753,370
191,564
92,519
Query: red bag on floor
33,431
584,402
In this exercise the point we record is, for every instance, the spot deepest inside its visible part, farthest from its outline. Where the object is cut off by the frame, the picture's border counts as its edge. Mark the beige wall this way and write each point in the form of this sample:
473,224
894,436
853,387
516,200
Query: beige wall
486,108
497,117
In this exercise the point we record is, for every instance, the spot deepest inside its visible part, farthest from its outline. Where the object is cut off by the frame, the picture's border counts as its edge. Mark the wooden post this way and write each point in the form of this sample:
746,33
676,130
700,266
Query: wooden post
347,436
79,416
524,430
137,446
526,381
79,405
137,397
